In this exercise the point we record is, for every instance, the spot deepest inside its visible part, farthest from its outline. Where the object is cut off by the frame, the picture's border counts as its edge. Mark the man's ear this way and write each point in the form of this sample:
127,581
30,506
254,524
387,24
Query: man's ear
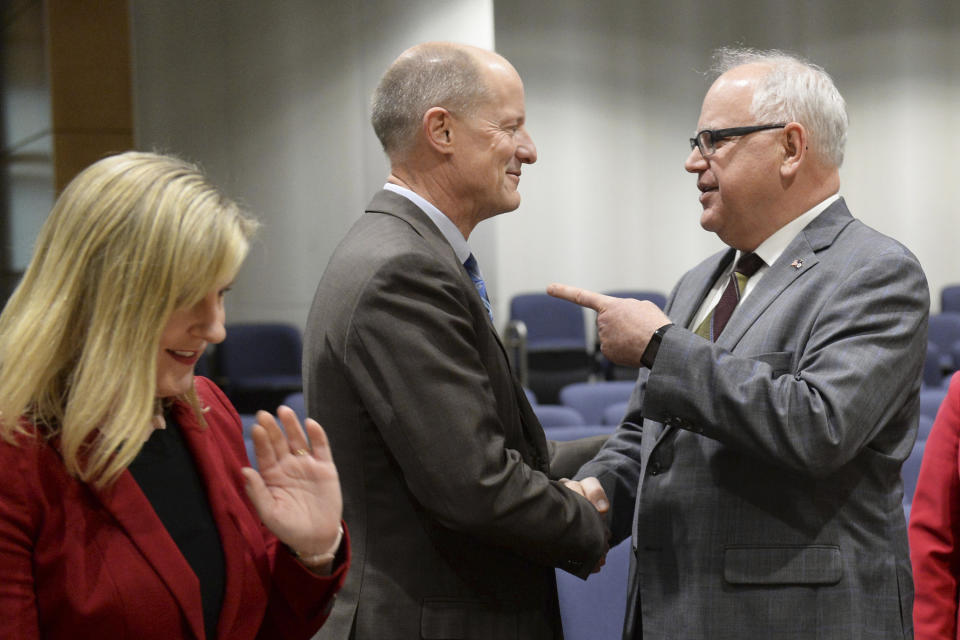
795,150
438,129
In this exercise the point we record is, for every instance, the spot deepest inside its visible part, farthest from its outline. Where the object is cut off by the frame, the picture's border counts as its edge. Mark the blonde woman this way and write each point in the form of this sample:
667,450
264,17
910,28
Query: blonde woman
127,505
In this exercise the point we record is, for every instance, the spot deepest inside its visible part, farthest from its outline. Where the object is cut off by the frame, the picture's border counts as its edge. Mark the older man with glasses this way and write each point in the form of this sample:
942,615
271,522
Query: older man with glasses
758,467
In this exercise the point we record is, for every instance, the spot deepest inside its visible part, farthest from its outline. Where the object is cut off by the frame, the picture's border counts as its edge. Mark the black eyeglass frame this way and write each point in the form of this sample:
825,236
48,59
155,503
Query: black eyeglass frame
716,135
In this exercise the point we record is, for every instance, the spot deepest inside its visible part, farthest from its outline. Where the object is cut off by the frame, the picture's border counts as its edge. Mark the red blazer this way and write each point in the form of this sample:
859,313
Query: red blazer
76,562
935,525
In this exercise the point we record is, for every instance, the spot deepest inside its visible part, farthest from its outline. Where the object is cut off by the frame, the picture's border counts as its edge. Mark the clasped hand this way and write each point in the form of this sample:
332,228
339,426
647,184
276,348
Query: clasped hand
591,489
297,490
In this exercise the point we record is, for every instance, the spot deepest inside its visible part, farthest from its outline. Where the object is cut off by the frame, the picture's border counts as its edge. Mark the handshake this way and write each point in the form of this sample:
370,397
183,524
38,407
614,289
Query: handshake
590,489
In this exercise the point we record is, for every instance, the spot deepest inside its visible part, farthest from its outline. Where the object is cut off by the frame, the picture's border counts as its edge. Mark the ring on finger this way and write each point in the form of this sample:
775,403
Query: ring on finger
300,452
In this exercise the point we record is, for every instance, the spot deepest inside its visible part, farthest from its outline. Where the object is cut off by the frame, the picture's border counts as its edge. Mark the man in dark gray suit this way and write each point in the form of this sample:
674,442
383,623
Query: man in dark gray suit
758,468
457,517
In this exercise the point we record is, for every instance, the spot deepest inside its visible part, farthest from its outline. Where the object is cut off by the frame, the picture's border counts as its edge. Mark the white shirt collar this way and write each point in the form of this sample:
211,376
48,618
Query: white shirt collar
769,251
444,224
771,248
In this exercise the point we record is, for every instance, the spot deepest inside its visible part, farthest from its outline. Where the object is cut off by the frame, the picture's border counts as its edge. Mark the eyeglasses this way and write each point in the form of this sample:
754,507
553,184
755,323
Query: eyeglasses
707,139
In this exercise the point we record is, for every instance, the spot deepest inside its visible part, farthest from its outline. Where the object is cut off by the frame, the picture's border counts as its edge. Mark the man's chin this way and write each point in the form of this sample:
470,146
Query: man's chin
708,221
511,204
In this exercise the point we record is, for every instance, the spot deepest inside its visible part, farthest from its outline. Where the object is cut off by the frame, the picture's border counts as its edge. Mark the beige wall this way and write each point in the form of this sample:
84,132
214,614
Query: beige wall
614,92
272,98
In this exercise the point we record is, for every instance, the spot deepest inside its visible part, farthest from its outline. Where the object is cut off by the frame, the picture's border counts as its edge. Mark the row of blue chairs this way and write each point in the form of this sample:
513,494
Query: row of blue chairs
549,346
587,403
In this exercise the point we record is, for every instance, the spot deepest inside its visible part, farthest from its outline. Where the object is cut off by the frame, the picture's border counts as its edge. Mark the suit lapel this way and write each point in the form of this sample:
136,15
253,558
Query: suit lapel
686,304
398,206
801,252
390,203
798,258
135,515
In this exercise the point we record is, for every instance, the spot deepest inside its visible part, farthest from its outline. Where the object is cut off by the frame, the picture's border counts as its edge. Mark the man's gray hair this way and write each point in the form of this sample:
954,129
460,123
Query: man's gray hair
795,90
427,76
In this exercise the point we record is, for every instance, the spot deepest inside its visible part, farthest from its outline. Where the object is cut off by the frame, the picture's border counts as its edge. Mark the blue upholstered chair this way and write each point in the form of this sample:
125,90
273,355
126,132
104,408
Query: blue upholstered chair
531,396
555,415
950,298
910,472
259,364
554,335
933,366
924,426
931,399
655,297
296,402
562,433
248,420
615,413
595,609
944,331
592,398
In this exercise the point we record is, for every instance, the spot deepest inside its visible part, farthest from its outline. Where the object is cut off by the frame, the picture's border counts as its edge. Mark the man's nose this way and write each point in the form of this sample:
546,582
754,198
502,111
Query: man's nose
527,150
695,162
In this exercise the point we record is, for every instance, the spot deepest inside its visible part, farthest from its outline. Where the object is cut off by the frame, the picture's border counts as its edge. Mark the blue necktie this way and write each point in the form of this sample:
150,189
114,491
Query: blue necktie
471,266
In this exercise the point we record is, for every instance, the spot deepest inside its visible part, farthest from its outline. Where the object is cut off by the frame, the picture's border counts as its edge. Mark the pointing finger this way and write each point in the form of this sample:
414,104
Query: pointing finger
576,295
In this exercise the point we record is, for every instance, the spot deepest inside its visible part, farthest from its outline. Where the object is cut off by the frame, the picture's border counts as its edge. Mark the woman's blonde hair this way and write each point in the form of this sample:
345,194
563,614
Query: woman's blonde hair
132,238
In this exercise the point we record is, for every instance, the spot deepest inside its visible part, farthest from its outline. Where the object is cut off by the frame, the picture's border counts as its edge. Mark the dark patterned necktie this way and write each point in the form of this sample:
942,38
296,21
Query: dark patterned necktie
716,320
471,266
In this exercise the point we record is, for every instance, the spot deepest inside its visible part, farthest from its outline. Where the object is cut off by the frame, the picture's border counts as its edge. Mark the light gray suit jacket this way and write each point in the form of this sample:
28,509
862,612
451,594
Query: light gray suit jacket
455,519
760,476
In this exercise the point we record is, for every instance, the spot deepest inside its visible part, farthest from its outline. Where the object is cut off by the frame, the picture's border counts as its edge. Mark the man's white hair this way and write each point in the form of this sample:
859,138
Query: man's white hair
795,90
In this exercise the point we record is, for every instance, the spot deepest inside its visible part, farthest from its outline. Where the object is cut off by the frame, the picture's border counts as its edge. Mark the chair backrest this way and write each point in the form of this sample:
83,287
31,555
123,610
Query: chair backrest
655,297
930,400
911,471
594,609
924,426
933,366
592,398
531,396
551,323
944,330
203,367
577,431
248,420
295,401
615,413
952,357
950,298
555,415
259,351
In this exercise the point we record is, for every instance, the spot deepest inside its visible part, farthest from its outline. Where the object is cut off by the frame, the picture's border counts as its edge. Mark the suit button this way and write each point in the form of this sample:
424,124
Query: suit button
654,468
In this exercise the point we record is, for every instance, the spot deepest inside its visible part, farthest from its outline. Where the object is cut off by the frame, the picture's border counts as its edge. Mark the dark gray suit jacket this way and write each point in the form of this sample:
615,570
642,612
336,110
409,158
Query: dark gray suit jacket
760,476
455,520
